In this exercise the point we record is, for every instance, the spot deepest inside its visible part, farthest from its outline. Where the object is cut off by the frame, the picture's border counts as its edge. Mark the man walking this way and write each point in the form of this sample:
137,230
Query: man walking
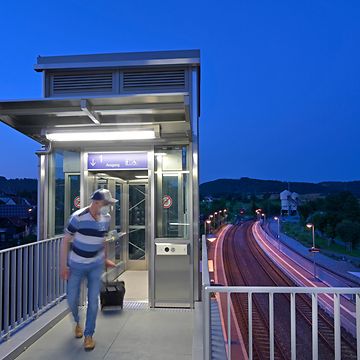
86,229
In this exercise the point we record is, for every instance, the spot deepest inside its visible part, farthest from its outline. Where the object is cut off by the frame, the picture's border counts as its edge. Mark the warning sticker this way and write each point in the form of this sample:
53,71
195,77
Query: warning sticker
167,201
77,202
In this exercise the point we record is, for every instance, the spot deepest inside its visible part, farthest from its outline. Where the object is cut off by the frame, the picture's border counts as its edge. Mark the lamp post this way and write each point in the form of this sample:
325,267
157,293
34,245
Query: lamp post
263,215
313,249
278,230
207,221
215,218
225,215
211,217
220,217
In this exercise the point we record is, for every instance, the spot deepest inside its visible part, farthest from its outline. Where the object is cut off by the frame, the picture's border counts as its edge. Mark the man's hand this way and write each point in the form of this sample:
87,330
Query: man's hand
65,273
109,263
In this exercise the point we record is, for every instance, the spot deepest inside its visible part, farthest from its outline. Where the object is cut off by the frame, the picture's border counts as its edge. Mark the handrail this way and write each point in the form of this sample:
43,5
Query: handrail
293,291
31,244
30,281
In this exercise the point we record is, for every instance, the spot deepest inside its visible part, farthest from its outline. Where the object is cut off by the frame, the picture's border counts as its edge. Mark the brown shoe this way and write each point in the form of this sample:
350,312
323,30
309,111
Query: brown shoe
78,331
89,343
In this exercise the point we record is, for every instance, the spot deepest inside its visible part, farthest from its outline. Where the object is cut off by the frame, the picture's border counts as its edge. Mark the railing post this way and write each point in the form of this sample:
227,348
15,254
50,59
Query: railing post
337,327
207,325
357,317
293,325
229,323
271,325
6,293
250,335
314,309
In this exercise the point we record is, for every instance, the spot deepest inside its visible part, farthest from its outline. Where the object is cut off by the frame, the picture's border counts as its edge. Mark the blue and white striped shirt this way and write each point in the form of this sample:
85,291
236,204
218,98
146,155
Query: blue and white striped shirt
89,235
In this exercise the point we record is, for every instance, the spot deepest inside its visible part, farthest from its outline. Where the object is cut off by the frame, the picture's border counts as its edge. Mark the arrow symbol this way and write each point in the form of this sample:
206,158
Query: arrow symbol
92,163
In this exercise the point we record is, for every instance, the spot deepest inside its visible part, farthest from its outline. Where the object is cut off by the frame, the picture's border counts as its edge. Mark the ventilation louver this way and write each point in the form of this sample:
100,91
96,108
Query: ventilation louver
153,80
82,83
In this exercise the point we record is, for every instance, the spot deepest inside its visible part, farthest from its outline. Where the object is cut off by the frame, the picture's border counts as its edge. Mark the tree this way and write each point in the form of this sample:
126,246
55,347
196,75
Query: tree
348,231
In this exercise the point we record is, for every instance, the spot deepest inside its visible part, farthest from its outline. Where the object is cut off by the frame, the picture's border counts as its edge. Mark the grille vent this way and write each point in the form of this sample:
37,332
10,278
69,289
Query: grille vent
82,83
152,79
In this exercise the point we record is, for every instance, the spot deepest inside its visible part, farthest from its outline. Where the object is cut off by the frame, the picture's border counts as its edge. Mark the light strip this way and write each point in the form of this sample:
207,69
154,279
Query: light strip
101,135
141,176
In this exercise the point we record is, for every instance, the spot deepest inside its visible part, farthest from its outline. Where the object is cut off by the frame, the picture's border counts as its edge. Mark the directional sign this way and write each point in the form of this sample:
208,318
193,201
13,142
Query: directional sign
118,161
167,201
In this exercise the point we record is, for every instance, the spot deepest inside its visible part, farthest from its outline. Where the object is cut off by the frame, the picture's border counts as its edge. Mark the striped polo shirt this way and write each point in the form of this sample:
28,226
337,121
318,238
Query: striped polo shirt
89,235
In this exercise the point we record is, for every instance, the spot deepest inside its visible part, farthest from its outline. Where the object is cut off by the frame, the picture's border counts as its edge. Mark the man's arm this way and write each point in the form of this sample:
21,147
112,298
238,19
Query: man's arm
64,270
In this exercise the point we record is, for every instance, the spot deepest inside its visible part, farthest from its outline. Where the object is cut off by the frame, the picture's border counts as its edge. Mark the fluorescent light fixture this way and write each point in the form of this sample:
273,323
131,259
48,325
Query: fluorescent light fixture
101,135
160,154
141,176
175,173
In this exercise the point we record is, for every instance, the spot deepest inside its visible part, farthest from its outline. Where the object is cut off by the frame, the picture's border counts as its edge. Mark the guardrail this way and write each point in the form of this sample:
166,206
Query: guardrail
313,292
206,309
292,291
30,282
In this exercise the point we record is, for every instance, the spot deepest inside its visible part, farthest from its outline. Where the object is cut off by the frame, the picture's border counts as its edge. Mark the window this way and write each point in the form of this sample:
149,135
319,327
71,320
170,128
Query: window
172,185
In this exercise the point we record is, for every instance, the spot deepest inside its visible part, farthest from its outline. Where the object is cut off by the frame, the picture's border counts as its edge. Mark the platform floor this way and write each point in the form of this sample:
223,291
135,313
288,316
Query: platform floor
136,285
142,334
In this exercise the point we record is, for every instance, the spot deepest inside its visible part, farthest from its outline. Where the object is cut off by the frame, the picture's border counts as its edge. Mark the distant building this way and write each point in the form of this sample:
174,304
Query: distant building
289,203
17,217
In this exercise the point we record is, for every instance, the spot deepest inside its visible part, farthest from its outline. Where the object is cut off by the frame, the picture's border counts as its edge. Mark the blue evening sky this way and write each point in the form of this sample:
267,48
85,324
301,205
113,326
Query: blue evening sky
280,79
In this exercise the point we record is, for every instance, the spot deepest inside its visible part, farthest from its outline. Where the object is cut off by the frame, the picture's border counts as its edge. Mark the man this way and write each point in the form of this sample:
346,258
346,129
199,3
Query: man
86,229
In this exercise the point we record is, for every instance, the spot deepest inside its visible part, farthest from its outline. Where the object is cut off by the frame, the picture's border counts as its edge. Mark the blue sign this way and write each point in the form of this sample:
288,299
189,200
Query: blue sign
117,161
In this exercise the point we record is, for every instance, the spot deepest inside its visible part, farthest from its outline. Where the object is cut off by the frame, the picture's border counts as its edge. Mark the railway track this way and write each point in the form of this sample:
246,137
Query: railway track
246,264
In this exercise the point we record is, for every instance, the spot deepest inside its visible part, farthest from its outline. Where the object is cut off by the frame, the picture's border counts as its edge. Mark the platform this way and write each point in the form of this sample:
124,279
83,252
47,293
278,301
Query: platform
136,333
136,283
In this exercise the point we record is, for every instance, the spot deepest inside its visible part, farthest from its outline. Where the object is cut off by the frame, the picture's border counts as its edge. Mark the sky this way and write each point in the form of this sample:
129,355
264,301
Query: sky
280,80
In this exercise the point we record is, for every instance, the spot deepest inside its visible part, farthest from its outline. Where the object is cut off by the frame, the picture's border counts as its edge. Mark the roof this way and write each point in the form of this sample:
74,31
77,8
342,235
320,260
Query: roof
31,116
147,58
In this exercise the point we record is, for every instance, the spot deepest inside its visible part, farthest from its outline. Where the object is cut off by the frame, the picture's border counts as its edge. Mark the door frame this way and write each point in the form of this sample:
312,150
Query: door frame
136,264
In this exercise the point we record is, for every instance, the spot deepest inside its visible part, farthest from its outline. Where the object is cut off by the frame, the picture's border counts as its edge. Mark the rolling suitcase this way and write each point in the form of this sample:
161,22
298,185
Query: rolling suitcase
112,294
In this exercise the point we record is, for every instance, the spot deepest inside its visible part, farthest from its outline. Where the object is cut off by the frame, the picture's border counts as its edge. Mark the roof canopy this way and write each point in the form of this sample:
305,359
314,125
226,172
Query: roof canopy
34,117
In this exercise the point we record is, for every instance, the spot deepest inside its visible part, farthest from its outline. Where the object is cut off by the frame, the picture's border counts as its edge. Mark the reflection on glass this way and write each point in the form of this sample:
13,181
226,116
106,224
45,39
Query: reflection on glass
137,209
172,193
59,192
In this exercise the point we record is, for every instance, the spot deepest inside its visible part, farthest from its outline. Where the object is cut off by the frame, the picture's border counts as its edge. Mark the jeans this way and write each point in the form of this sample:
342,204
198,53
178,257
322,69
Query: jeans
92,272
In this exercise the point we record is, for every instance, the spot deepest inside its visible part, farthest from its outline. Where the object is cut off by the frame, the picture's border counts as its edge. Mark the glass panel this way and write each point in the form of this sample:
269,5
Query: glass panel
136,205
172,193
61,202
59,193
137,244
118,191
74,193
137,222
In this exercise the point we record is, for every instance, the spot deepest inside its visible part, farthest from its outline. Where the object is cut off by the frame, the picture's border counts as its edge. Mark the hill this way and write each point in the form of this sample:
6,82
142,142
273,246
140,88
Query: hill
244,185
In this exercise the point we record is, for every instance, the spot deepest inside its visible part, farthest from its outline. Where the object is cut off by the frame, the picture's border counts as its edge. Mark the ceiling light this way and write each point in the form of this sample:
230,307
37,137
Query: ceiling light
101,135
141,176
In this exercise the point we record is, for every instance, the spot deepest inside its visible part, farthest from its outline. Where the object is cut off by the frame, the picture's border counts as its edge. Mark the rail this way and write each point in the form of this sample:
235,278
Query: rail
292,291
30,282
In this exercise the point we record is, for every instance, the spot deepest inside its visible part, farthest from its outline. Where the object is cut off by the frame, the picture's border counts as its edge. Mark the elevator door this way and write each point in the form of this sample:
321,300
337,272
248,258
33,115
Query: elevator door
137,228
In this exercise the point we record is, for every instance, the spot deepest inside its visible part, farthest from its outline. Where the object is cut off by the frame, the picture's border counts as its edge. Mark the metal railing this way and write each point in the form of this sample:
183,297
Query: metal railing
30,282
314,292
292,291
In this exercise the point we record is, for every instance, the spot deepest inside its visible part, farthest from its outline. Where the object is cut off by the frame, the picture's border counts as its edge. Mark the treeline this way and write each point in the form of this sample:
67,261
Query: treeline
336,216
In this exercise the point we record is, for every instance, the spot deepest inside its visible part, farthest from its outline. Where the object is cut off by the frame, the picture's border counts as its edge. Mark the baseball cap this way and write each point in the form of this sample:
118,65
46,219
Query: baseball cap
103,194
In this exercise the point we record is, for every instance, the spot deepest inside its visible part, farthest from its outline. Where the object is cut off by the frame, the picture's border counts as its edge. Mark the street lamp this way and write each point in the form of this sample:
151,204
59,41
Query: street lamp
206,222
313,249
263,215
276,218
